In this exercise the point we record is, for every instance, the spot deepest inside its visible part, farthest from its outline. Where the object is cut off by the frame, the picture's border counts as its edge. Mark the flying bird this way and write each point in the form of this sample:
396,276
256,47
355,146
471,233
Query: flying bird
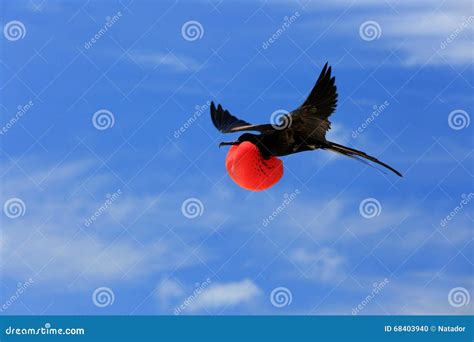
252,161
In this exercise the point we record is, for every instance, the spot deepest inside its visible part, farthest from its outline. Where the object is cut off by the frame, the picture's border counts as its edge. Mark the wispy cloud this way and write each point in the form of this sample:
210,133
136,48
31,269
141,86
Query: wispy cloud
51,241
221,295
167,61
420,33
322,265
168,290
427,37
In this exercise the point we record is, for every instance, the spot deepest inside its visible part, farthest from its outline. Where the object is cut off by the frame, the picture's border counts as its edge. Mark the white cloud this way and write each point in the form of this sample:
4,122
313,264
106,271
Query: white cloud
339,133
322,265
168,290
75,259
91,259
417,298
52,244
419,31
168,60
221,295
431,38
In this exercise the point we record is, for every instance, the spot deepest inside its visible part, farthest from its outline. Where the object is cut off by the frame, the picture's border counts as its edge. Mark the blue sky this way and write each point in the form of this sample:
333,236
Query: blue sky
148,77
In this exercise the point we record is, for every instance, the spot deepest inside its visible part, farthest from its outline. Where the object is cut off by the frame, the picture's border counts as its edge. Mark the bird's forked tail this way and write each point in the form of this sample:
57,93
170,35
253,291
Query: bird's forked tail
350,152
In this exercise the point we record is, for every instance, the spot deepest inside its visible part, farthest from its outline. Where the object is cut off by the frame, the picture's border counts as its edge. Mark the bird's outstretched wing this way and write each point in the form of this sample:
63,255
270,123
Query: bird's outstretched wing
310,120
323,96
227,123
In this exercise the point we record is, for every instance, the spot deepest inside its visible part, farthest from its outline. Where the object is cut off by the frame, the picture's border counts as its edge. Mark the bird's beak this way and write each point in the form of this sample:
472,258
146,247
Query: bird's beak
227,143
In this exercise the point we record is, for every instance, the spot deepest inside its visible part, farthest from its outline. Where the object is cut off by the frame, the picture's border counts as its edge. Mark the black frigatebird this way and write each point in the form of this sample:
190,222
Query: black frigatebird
303,129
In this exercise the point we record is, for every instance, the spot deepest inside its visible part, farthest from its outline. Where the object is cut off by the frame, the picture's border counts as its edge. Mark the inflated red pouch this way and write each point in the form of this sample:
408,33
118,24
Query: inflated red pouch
249,170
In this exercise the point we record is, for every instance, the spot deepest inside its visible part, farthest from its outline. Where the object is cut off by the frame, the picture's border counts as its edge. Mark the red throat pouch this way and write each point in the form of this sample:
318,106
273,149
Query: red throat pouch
249,170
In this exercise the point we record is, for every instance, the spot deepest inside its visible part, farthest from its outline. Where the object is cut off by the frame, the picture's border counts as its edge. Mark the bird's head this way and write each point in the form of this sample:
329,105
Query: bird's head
252,138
